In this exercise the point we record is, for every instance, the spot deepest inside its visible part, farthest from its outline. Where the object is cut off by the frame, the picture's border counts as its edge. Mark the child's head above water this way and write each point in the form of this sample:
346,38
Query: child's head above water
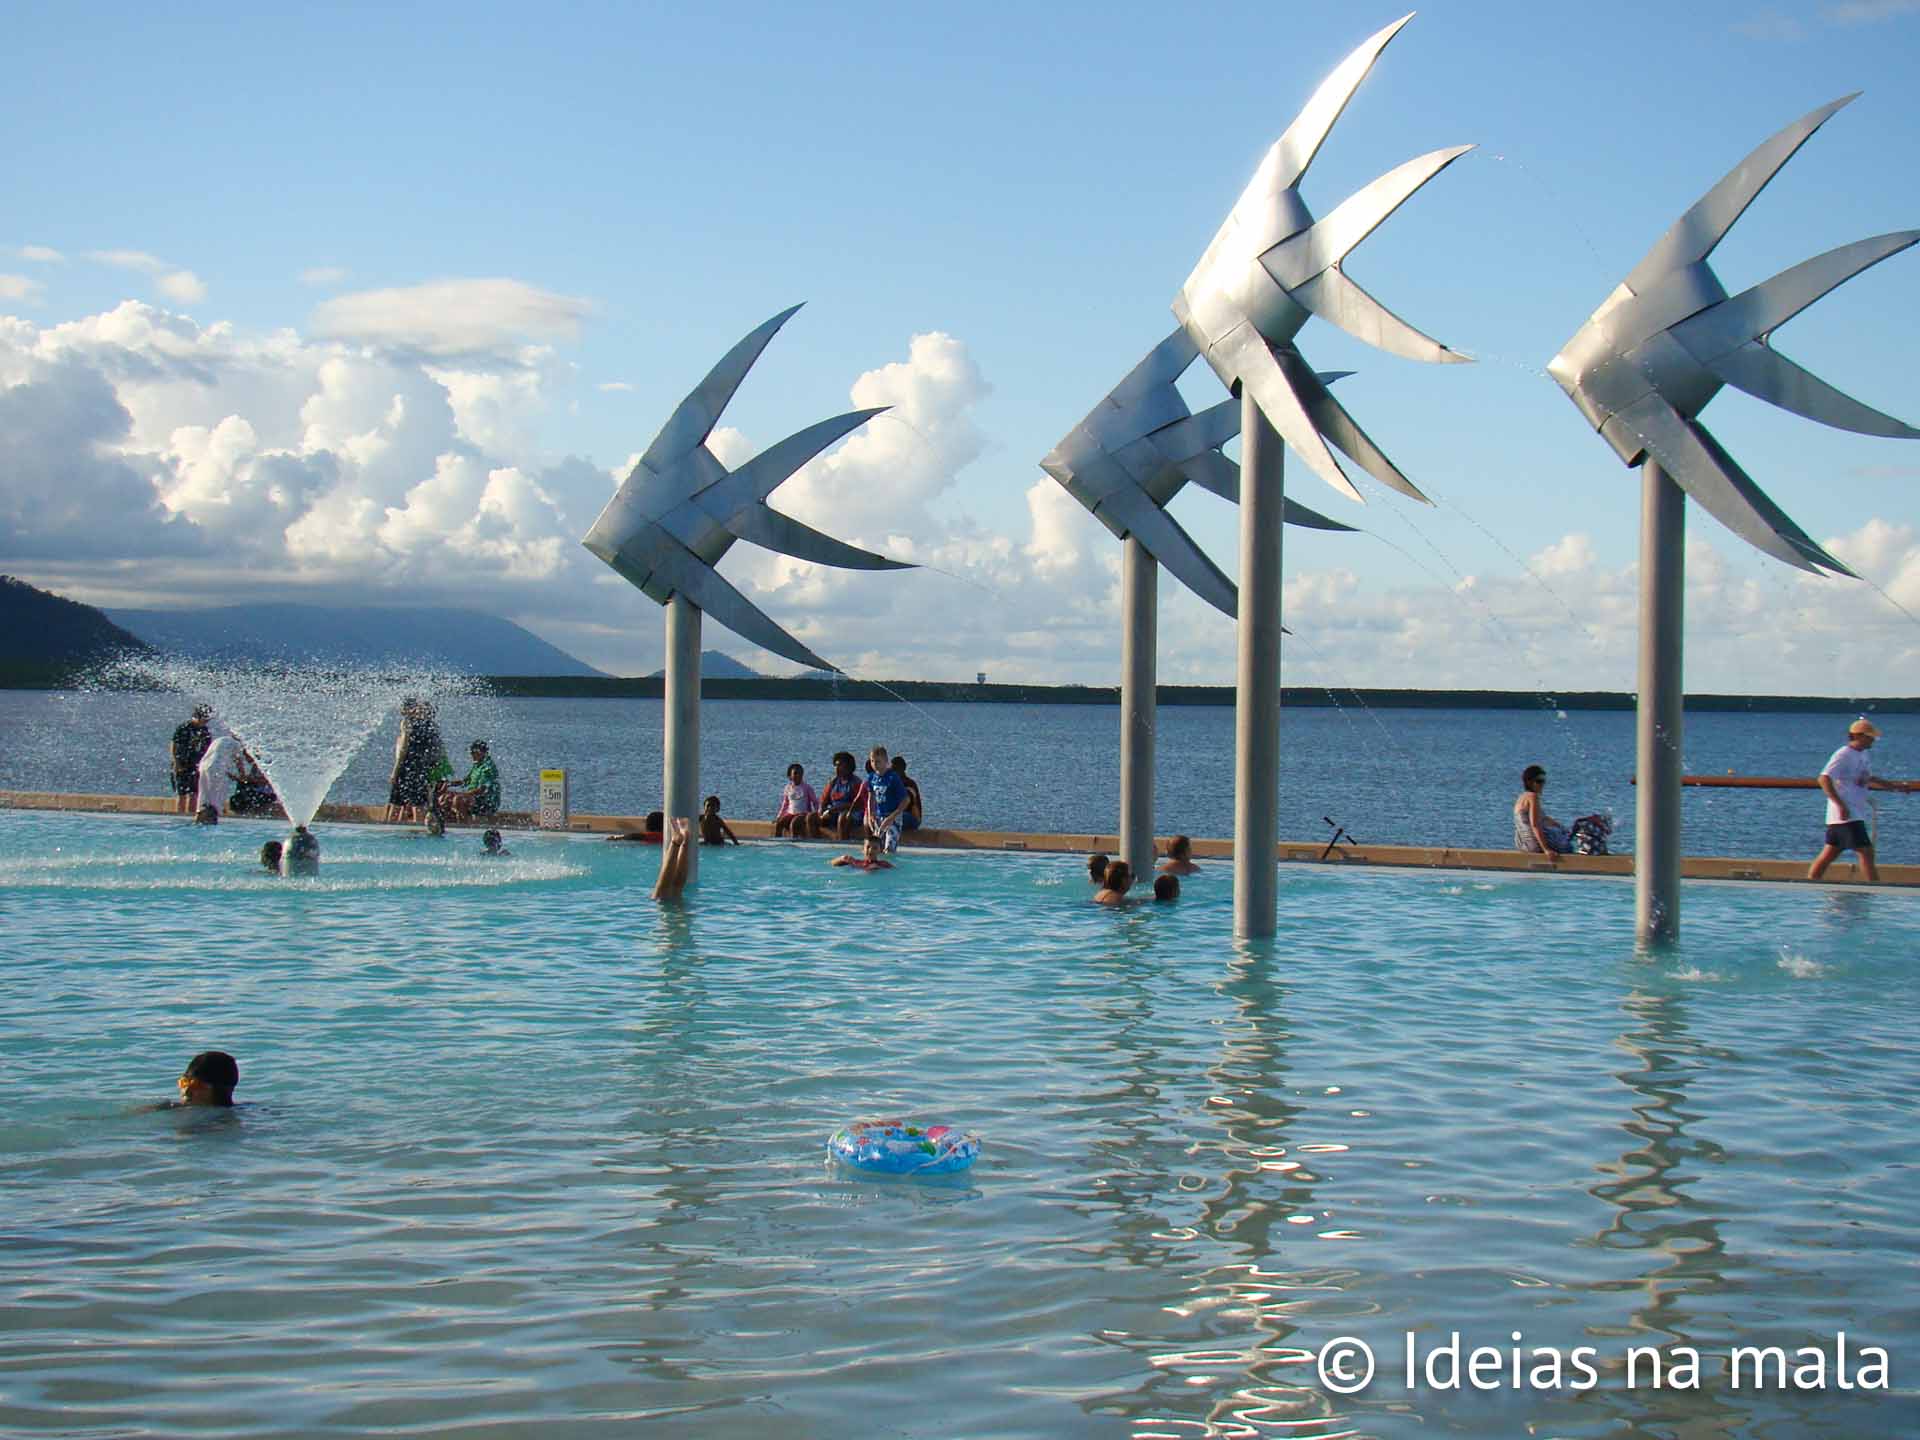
209,1079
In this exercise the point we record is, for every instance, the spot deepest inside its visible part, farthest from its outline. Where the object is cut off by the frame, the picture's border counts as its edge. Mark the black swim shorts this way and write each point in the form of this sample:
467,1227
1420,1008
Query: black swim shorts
1849,835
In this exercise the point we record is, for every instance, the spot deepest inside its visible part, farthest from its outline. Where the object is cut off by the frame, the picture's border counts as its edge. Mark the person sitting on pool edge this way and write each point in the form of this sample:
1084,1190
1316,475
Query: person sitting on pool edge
1180,857
1534,830
1166,887
714,830
675,855
798,814
916,808
838,802
479,793
871,857
1114,887
209,1079
1097,868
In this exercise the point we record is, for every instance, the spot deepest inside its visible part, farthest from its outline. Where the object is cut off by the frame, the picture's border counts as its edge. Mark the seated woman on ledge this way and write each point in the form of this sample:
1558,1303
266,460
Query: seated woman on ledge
1534,830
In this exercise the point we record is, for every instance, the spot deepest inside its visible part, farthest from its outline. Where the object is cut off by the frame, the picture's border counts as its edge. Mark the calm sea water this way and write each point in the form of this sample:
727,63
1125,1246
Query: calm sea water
524,1153
1388,776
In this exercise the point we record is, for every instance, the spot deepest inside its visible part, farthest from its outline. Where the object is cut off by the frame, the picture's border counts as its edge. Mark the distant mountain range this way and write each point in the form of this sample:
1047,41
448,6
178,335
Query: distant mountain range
718,665
461,640
46,637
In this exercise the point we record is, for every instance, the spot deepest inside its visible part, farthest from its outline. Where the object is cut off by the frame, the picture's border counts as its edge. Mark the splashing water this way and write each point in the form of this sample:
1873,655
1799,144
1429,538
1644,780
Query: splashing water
1799,966
303,721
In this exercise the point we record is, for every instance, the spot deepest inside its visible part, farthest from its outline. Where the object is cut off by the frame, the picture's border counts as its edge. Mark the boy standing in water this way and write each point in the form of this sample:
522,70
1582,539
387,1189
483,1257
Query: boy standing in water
713,829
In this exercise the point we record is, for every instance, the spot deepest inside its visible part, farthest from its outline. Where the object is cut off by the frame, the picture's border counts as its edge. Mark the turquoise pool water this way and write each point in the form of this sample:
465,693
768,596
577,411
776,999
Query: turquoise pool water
524,1153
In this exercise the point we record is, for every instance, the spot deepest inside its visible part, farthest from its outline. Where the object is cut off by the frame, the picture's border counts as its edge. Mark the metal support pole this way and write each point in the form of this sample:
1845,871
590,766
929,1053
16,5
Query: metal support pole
1256,728
1139,640
681,753
1659,719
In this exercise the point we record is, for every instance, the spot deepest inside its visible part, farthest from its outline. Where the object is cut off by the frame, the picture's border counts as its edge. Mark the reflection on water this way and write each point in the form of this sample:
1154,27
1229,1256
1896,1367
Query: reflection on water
1655,1212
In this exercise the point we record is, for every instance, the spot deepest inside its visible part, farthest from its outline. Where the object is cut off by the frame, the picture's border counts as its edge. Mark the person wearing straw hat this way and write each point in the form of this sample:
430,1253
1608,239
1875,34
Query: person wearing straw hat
1845,782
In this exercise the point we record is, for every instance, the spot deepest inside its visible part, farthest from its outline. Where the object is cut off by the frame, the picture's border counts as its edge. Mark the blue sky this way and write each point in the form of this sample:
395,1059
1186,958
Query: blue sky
298,206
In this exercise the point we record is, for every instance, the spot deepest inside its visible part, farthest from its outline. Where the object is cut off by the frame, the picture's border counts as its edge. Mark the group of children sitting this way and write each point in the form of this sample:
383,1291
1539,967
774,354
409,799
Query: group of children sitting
1115,877
886,802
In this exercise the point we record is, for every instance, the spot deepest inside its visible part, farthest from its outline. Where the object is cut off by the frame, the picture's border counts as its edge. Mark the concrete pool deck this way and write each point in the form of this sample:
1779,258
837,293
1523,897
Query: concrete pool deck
1408,857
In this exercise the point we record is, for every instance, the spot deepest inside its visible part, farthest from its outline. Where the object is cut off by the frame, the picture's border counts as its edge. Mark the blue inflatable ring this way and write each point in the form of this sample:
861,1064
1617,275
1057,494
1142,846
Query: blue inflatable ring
898,1147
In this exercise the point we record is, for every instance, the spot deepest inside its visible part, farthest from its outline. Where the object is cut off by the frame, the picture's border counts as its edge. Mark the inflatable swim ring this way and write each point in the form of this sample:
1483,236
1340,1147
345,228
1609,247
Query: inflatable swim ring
897,1147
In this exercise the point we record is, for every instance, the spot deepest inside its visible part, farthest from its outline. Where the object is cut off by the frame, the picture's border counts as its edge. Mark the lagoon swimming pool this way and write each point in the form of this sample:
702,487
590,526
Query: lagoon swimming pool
523,1152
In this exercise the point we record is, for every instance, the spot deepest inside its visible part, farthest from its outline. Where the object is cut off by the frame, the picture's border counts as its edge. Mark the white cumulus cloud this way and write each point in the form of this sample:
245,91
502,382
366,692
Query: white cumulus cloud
452,317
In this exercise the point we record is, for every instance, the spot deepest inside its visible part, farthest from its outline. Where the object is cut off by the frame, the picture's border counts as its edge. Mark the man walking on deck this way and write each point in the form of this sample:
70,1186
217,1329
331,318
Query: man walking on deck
1845,781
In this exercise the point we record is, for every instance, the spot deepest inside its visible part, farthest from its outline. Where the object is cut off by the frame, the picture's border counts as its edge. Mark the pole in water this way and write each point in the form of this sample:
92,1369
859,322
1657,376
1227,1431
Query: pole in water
1256,720
680,755
1659,716
1139,639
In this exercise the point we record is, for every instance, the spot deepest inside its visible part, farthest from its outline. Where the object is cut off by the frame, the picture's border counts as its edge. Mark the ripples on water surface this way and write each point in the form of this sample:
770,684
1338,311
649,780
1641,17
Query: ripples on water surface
524,1153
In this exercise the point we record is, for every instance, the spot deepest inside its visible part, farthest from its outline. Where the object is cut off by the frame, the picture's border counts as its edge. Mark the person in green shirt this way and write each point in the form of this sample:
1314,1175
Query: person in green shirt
479,793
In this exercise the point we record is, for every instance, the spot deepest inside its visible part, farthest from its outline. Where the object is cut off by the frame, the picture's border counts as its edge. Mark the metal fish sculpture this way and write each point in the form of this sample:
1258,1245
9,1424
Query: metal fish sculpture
680,509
